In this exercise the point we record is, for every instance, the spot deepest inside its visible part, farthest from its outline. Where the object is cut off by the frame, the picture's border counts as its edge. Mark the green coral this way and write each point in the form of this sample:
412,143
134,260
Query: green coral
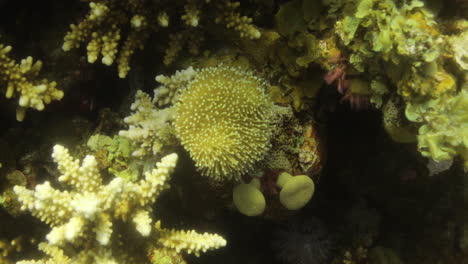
444,132
384,33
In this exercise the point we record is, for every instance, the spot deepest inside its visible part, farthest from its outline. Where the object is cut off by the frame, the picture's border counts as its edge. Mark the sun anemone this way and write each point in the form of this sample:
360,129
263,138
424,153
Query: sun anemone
224,119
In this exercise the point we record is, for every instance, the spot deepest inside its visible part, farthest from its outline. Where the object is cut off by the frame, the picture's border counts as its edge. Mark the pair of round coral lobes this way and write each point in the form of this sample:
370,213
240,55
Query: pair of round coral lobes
296,192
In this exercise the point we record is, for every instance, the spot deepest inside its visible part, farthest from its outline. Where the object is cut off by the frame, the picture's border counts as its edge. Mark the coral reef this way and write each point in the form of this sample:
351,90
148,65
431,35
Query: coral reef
297,113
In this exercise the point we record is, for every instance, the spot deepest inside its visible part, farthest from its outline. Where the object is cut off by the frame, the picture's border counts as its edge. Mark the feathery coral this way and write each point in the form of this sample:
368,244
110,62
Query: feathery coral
224,120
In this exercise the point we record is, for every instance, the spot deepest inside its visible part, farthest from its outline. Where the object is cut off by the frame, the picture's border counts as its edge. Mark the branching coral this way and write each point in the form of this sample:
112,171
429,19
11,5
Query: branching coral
149,127
232,19
86,212
22,79
171,87
224,119
90,206
188,241
109,21
102,29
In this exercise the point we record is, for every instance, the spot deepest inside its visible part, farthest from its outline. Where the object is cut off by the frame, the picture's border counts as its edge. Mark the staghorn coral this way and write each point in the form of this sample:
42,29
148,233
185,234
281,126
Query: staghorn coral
114,29
90,205
85,213
224,120
22,79
8,247
102,29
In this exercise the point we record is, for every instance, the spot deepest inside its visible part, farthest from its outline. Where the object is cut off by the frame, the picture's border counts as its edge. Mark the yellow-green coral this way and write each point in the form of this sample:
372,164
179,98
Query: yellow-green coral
22,79
102,27
224,120
444,131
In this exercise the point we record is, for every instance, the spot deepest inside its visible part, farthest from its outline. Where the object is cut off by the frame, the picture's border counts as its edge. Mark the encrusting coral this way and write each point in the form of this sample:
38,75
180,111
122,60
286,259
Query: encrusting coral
86,212
22,79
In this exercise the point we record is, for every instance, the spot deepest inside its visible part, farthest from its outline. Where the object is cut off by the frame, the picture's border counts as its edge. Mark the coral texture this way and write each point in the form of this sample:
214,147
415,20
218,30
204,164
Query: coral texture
224,120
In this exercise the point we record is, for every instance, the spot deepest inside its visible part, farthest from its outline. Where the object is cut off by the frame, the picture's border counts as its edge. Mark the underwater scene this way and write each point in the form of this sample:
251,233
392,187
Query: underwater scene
227,132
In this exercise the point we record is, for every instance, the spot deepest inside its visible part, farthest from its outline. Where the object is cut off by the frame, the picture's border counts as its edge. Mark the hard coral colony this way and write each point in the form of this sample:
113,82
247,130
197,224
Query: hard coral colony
224,119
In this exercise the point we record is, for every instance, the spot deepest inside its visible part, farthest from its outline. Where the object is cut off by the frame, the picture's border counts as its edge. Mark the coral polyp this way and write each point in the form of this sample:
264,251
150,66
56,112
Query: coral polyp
224,120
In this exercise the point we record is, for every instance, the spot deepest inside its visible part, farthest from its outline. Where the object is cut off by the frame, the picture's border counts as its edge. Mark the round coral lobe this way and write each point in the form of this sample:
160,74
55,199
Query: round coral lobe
224,120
